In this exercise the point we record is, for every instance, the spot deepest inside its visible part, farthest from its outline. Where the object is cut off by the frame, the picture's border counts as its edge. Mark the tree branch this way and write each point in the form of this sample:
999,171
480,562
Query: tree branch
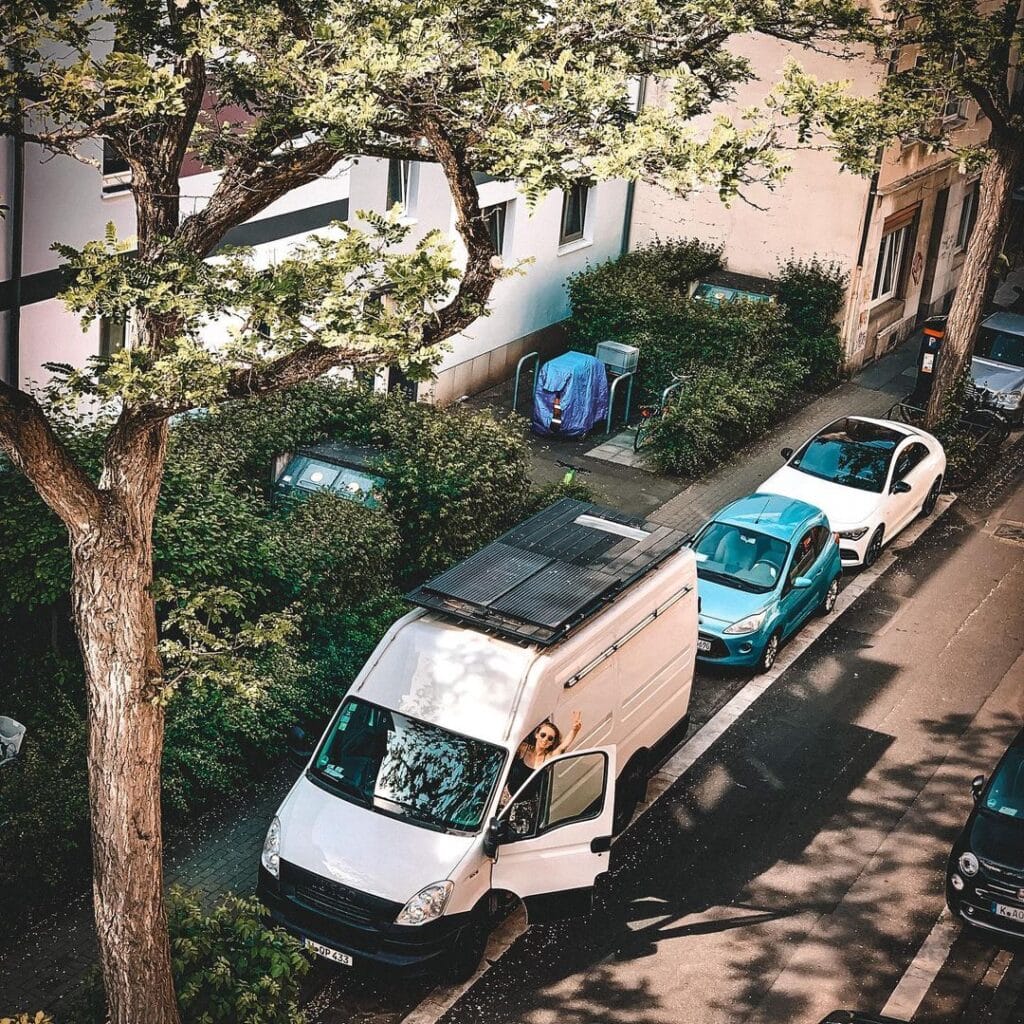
246,187
482,263
32,445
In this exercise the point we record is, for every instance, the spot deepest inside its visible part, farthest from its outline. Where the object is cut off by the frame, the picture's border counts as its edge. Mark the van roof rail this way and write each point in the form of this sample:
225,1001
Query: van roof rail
551,572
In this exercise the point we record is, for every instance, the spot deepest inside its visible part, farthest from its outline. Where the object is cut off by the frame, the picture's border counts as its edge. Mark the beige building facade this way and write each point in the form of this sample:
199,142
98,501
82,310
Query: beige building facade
899,236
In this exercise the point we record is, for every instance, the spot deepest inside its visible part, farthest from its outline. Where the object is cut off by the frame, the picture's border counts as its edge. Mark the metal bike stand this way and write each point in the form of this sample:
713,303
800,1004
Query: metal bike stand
611,399
519,370
669,390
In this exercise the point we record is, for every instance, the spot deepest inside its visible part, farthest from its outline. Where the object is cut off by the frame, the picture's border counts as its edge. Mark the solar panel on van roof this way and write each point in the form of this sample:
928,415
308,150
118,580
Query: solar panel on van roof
551,572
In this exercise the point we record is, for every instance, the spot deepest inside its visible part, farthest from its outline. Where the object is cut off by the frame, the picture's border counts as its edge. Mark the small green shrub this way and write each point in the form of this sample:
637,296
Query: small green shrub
640,291
548,494
812,292
720,409
230,967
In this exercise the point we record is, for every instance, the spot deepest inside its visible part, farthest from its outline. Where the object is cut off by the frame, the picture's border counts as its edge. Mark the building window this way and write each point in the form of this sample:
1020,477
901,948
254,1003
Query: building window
496,217
116,173
574,213
891,254
968,215
113,333
401,185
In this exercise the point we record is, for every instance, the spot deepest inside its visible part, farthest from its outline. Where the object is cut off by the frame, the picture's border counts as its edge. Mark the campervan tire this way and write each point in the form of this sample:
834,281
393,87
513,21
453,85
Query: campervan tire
468,950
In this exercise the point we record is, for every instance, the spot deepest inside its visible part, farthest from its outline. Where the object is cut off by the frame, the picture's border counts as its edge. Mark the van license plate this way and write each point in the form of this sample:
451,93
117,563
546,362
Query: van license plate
1013,913
704,645
328,954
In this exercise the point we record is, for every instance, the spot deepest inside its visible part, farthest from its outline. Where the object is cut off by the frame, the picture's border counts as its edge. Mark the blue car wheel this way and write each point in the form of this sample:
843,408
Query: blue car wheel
770,652
828,602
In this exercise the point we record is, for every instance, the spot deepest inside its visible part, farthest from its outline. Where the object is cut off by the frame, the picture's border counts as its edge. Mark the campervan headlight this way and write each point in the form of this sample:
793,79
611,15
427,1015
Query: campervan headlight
427,905
271,856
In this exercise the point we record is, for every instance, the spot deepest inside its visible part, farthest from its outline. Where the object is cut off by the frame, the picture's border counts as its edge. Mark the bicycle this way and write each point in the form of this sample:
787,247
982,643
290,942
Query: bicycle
650,414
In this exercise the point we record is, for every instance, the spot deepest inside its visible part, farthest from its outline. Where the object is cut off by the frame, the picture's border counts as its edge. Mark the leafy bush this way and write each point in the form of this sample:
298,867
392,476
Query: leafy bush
812,293
720,409
640,292
28,1018
230,967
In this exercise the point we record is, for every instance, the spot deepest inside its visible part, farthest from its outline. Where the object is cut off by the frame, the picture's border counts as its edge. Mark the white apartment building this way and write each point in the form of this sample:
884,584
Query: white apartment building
59,199
900,236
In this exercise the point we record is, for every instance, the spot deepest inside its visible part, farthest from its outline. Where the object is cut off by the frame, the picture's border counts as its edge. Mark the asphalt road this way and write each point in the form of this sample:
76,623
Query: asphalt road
798,866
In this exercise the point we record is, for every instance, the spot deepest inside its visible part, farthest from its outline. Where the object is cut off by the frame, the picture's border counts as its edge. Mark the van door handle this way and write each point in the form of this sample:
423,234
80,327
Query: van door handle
600,844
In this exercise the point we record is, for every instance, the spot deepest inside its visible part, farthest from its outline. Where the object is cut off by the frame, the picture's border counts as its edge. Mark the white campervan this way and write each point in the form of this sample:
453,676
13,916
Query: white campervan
399,840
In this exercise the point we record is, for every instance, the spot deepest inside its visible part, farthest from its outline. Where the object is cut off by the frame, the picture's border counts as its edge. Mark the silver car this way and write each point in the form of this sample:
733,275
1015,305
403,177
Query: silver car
997,369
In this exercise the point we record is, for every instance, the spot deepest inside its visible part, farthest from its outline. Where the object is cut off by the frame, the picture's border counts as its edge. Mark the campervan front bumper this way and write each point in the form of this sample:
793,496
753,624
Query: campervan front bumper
310,906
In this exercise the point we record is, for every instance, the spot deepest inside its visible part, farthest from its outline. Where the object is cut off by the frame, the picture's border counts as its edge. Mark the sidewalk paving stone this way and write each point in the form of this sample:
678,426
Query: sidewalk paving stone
46,965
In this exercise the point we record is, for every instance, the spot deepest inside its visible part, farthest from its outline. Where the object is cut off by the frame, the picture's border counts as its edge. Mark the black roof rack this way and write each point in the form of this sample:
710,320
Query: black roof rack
551,572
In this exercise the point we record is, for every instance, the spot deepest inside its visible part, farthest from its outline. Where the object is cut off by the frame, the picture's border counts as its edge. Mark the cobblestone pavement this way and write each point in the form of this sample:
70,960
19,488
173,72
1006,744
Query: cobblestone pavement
45,966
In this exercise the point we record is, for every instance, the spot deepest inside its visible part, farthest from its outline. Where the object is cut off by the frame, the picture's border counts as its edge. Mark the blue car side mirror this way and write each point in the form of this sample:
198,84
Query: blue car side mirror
803,582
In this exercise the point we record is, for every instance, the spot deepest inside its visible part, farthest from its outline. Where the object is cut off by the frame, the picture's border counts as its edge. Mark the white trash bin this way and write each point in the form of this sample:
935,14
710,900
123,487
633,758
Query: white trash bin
11,735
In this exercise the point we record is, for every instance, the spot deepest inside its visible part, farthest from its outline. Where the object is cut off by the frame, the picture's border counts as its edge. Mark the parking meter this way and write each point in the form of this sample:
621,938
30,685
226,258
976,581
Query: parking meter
928,359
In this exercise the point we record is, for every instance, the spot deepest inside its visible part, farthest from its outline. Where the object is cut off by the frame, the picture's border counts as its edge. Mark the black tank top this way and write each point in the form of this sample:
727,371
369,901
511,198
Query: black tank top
518,774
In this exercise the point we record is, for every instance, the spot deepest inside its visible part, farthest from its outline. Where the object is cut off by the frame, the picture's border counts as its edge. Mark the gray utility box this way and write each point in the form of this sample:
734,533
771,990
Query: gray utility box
619,358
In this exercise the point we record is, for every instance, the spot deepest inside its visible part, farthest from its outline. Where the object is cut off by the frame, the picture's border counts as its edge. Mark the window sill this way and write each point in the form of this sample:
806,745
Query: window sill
116,184
574,246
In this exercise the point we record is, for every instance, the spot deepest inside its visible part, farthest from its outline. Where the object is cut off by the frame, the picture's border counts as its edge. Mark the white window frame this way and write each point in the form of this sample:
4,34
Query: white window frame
408,185
968,215
106,323
889,268
575,237
503,213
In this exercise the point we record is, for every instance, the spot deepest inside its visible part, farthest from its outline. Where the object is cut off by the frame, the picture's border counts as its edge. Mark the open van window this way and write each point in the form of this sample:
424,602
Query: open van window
407,768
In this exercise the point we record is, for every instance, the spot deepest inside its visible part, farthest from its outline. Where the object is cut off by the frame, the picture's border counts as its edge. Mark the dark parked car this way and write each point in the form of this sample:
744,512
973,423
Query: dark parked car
985,875
344,469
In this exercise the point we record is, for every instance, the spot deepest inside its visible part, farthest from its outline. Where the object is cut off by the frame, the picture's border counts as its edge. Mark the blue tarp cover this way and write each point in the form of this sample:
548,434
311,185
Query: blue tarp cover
581,383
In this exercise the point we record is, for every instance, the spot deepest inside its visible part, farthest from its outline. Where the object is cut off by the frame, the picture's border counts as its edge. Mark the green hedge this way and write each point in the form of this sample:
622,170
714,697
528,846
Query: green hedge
746,363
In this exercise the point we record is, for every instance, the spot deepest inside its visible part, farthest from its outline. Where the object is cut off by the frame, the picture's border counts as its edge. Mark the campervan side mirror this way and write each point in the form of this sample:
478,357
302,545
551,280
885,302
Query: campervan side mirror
787,453
497,829
977,785
803,582
900,487
300,750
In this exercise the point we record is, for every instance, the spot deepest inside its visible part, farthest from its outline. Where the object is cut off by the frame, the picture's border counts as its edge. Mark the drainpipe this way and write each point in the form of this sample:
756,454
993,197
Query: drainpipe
627,217
13,368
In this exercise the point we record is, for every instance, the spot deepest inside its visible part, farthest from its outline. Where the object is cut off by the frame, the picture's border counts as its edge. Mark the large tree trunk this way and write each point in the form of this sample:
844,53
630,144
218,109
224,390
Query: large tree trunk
997,182
115,616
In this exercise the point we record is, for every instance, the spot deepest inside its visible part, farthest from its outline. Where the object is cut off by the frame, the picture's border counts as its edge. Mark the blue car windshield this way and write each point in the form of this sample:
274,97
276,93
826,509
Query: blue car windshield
852,453
1006,791
406,768
740,558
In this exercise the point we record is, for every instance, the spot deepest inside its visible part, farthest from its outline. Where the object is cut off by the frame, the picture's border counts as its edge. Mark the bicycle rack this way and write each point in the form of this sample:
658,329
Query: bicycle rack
519,370
611,399
669,390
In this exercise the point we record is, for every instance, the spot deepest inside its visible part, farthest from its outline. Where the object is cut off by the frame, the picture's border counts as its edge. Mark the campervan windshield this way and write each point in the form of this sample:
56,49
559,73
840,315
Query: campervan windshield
397,765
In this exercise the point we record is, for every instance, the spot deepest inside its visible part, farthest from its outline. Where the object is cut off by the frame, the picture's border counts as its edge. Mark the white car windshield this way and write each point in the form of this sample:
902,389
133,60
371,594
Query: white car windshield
410,769
850,452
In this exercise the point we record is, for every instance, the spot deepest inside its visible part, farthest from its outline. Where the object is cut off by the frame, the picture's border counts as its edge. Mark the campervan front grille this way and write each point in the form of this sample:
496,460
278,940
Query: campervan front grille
315,892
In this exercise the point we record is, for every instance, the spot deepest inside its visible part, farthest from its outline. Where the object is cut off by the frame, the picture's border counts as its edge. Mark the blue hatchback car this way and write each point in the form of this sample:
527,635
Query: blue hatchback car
764,564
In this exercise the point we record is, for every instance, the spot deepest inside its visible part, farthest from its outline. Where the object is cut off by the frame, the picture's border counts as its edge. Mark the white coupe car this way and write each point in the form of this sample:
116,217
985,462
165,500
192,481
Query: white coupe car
870,477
